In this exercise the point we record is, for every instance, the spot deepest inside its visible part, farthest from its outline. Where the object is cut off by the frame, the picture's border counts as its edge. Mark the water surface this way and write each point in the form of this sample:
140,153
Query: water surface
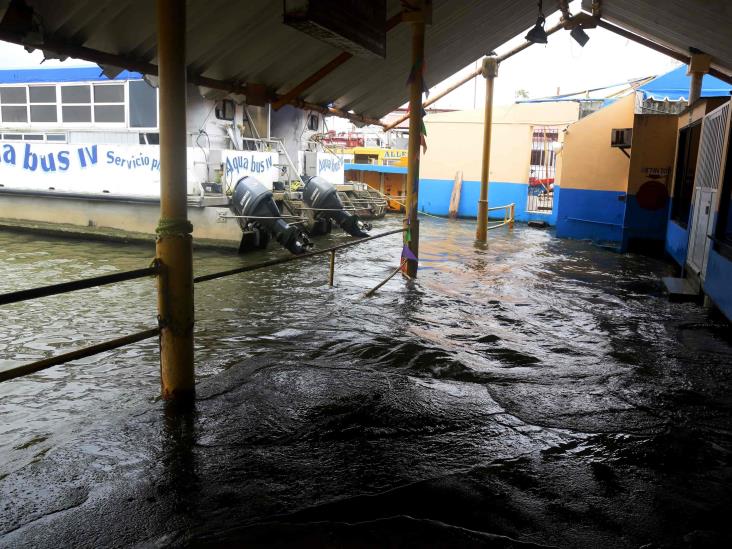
537,389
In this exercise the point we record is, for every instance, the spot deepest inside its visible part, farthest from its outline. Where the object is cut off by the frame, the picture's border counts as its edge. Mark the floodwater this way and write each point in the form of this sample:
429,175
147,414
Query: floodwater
531,392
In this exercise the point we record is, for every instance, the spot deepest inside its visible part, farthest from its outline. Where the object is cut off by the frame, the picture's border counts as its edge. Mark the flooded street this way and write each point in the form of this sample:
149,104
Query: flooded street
532,392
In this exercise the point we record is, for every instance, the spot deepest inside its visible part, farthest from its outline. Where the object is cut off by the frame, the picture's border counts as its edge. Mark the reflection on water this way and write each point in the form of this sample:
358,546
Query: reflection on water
526,358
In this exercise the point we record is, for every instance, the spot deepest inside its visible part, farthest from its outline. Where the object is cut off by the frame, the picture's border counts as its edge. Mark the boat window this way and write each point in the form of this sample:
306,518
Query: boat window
143,105
149,138
225,110
43,113
42,94
14,114
13,107
109,113
109,93
76,113
42,103
75,94
313,122
14,95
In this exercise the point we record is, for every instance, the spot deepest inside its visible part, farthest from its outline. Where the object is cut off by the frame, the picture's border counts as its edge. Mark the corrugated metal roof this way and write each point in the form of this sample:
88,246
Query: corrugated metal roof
248,42
677,24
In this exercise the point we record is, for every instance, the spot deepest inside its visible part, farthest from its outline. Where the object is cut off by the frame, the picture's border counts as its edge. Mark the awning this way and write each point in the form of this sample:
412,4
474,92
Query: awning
674,86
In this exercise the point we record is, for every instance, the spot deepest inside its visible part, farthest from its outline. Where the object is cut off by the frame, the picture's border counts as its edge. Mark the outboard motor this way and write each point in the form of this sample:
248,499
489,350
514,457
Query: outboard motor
323,197
252,199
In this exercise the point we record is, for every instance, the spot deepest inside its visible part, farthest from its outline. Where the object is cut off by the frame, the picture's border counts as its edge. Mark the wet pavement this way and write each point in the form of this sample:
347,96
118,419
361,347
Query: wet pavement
533,392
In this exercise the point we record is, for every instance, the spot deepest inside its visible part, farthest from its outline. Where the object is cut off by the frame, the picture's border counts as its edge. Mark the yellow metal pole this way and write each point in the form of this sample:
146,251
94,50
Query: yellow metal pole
490,71
513,215
174,242
332,268
411,221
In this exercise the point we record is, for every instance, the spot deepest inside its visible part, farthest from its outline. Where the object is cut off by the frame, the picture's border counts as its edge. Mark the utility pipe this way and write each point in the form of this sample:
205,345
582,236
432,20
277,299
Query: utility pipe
490,71
174,245
411,220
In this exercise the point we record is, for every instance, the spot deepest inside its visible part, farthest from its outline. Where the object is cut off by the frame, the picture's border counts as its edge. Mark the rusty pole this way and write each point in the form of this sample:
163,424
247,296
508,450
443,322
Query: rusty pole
490,71
411,220
174,241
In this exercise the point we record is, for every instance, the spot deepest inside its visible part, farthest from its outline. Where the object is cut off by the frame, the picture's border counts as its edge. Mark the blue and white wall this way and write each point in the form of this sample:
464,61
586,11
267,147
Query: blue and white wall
455,144
594,177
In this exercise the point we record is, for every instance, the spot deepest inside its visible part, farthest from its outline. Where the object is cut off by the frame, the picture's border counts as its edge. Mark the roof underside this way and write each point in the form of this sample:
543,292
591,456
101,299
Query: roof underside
677,24
248,42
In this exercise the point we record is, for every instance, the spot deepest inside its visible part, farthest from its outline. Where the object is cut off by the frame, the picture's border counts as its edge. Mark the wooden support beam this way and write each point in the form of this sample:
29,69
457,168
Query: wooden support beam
490,71
174,244
411,219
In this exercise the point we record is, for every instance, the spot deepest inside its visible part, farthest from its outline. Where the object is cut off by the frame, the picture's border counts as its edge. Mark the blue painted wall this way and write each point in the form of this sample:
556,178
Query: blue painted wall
434,198
677,241
644,224
716,282
592,215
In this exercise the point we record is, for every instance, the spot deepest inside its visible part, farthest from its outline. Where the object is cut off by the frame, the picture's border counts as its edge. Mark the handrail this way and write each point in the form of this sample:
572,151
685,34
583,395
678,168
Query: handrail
494,208
280,261
65,287
84,352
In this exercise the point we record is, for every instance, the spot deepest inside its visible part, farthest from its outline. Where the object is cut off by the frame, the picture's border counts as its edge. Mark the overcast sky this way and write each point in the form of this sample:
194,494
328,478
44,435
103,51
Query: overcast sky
541,69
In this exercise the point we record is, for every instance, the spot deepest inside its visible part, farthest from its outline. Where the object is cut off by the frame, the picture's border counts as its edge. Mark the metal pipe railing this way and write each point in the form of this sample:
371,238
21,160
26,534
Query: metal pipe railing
282,260
39,365
65,287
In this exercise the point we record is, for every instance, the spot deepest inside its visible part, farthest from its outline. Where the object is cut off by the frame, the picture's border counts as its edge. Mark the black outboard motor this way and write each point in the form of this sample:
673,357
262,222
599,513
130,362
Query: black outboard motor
251,198
323,197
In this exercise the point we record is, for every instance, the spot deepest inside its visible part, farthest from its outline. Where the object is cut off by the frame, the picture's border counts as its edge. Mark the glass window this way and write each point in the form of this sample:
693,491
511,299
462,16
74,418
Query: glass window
149,139
143,105
77,113
56,137
43,113
109,93
14,114
13,96
42,94
12,137
109,113
75,94
33,137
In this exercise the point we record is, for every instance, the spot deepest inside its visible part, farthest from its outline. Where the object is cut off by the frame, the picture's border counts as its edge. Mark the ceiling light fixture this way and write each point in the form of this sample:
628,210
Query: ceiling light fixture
537,34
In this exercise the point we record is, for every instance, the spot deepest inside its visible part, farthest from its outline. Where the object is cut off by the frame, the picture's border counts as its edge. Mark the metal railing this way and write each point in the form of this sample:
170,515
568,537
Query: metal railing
153,270
509,213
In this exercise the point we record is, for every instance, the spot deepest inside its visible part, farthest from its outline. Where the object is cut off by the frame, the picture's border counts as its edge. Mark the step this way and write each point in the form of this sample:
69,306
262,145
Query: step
680,289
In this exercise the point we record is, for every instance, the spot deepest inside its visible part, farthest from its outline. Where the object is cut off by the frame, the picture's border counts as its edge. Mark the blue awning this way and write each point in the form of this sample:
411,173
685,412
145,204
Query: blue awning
674,86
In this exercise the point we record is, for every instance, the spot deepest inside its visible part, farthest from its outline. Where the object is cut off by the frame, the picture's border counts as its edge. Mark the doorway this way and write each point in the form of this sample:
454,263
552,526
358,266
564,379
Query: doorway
542,170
